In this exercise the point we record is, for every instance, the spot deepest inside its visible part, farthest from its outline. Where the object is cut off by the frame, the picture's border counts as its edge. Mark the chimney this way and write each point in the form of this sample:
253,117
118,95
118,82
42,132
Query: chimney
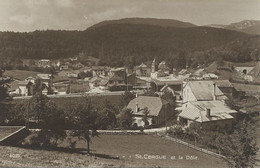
208,113
214,91
136,107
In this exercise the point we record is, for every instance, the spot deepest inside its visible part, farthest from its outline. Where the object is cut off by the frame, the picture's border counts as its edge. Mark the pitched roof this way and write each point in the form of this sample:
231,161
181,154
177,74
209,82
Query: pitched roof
204,90
255,72
223,83
197,111
247,88
142,66
44,76
154,105
168,82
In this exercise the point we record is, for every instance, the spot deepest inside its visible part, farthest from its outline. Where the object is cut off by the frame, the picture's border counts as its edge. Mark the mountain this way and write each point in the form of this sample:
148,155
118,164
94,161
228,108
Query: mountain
246,26
146,21
127,43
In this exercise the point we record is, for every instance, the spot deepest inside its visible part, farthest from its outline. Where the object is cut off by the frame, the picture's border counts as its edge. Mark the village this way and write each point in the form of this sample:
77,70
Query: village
201,94
125,83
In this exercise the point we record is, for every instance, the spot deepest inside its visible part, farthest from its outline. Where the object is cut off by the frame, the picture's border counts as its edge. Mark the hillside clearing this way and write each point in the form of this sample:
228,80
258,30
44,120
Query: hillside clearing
112,150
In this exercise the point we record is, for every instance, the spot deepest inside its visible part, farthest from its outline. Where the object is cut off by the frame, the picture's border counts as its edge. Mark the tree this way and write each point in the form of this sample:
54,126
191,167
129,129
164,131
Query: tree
83,119
145,116
126,98
125,118
44,114
240,146
4,98
107,116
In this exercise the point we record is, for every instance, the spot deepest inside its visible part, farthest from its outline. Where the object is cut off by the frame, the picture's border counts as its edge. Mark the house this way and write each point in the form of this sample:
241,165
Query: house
163,67
64,67
137,82
103,84
209,76
72,74
46,79
244,70
156,107
142,70
225,86
241,90
167,88
77,66
117,79
157,85
100,70
209,115
25,88
44,63
201,91
61,89
94,82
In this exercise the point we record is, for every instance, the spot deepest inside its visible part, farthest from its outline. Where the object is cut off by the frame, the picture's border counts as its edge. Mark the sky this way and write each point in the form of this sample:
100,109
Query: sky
31,15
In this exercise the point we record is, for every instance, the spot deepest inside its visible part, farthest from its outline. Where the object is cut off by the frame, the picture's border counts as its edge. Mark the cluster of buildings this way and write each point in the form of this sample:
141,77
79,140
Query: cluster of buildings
201,102
200,96
44,82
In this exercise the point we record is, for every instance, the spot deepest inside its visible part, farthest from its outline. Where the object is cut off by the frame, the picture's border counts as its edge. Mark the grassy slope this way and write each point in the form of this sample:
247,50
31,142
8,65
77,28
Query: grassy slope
5,131
106,148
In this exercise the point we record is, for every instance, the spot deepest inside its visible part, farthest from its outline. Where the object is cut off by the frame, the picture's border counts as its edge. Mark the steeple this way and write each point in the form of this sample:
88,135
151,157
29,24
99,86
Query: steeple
153,65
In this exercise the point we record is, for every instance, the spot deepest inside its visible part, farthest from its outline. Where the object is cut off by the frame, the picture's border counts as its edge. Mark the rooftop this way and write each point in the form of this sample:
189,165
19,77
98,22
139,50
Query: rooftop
154,105
204,90
197,111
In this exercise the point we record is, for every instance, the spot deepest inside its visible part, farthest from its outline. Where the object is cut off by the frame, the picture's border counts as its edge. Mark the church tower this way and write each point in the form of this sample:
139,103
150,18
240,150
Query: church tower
153,66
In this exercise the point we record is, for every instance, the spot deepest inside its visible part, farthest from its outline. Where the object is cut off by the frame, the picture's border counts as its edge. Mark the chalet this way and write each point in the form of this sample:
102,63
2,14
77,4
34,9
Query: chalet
46,79
25,88
167,88
142,70
209,115
137,82
156,107
157,85
201,91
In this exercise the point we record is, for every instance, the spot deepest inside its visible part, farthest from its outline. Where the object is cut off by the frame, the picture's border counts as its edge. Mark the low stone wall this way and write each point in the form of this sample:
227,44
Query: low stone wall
15,137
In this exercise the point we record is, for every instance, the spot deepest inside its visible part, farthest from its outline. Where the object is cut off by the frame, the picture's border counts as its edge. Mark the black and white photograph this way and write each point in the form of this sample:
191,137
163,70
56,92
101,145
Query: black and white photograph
130,83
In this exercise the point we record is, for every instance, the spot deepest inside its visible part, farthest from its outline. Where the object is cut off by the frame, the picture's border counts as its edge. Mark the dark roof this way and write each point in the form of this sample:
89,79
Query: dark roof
247,87
223,83
154,105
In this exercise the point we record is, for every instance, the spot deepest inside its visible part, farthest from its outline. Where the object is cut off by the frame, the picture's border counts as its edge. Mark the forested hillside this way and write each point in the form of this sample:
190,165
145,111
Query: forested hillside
129,44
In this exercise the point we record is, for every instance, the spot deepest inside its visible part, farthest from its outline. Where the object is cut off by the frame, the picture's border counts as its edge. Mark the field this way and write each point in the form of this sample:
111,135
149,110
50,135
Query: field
20,74
112,150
